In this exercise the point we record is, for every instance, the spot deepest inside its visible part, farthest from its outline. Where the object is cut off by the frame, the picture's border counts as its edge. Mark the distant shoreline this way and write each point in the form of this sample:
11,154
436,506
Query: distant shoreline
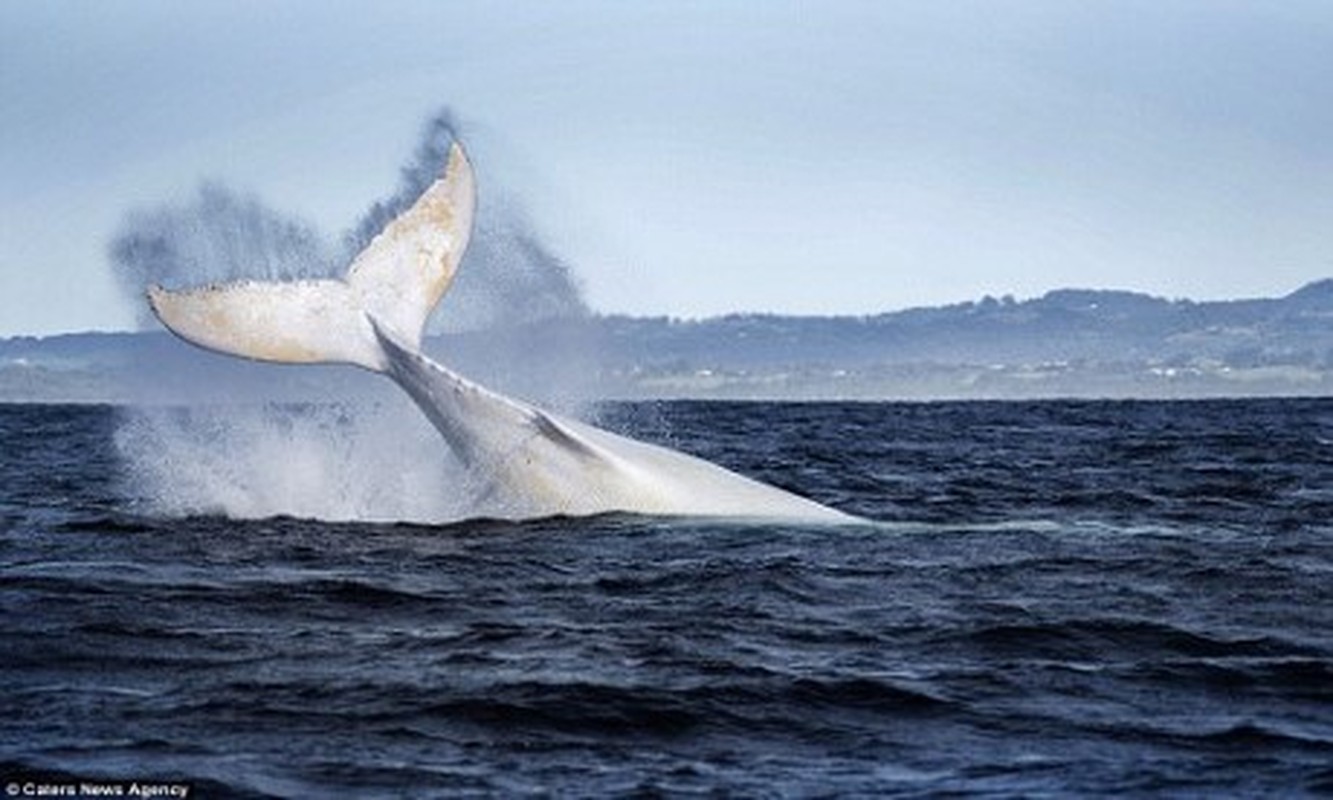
1079,344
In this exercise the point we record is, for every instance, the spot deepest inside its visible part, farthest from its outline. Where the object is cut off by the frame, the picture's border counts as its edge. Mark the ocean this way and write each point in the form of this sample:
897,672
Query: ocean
1047,599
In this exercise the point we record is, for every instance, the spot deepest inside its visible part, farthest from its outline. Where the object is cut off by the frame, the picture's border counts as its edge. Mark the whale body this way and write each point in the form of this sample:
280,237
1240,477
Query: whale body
536,462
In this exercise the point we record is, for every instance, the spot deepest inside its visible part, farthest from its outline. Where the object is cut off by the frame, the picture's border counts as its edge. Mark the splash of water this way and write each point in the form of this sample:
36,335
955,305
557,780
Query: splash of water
221,235
330,462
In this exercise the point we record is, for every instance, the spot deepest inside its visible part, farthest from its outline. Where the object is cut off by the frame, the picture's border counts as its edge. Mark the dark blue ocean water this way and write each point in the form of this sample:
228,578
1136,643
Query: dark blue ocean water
1054,599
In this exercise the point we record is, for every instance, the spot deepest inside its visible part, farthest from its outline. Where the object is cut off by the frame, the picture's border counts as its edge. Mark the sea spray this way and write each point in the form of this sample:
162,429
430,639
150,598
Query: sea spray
219,235
372,462
361,459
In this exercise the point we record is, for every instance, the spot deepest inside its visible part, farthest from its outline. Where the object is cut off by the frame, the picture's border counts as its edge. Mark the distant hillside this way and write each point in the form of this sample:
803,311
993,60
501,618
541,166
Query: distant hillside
1065,325
1071,342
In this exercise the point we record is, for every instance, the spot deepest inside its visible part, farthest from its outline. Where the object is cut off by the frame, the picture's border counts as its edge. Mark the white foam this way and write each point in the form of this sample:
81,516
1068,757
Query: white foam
380,462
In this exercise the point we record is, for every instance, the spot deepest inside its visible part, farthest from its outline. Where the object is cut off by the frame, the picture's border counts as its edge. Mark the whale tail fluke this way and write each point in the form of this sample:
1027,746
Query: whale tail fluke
396,281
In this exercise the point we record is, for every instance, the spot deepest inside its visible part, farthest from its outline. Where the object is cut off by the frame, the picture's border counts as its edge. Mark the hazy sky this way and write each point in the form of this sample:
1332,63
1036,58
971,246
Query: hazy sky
698,158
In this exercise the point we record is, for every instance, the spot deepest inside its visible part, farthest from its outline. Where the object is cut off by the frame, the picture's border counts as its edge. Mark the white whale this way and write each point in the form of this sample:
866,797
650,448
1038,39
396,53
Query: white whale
537,463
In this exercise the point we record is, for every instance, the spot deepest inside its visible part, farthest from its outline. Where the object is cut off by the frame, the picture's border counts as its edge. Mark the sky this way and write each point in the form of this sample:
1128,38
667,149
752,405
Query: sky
699,158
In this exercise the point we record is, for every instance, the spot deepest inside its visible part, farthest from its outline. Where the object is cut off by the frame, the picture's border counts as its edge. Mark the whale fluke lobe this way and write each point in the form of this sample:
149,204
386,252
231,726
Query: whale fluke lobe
401,275
306,322
374,318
